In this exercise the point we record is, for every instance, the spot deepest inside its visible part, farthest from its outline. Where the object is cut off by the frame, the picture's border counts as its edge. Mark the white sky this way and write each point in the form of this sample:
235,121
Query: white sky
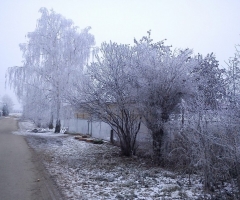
202,25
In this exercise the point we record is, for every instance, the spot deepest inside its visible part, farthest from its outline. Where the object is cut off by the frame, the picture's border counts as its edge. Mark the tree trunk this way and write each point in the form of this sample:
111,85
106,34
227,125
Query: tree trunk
58,126
158,135
58,122
157,146
111,137
125,146
50,125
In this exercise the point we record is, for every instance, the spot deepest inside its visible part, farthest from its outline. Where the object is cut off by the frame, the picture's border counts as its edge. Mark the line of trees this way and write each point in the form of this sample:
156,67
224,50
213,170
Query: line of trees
127,85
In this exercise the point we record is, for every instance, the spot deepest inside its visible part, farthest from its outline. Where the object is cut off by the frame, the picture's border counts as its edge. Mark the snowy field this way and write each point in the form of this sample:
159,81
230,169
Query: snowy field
15,114
96,171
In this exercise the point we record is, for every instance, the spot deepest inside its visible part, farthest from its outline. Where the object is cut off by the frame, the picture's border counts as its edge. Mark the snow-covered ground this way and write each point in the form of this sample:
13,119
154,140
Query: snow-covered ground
96,171
15,114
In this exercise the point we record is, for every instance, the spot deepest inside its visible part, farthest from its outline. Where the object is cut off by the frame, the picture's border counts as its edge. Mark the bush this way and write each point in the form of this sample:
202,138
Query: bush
5,110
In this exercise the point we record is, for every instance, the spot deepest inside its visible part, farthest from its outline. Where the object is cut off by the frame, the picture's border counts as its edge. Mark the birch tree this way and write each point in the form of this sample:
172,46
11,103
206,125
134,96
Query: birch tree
54,54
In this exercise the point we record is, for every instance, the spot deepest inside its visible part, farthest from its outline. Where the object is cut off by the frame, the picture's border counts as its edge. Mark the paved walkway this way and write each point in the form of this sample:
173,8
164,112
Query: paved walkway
22,176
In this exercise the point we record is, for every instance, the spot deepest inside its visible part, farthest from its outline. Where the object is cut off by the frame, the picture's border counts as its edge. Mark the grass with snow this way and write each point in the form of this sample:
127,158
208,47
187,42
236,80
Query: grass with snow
96,171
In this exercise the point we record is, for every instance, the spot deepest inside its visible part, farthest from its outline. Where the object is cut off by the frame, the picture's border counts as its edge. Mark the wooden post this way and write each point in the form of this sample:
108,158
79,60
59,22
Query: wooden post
88,127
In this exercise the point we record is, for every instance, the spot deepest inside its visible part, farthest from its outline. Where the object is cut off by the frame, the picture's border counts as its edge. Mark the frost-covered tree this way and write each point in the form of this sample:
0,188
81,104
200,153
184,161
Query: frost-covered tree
163,81
36,106
208,142
5,110
107,94
209,81
233,80
53,56
6,100
232,117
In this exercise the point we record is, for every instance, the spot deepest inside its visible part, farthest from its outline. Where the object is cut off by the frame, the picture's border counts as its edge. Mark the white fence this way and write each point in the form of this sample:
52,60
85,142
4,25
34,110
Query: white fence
99,130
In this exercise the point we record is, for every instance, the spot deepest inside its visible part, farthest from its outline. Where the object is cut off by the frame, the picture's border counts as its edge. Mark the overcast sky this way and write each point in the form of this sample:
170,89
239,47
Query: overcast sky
202,25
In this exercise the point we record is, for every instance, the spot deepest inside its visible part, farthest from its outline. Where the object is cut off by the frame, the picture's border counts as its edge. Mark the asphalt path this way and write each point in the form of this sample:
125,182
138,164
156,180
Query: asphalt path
22,175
